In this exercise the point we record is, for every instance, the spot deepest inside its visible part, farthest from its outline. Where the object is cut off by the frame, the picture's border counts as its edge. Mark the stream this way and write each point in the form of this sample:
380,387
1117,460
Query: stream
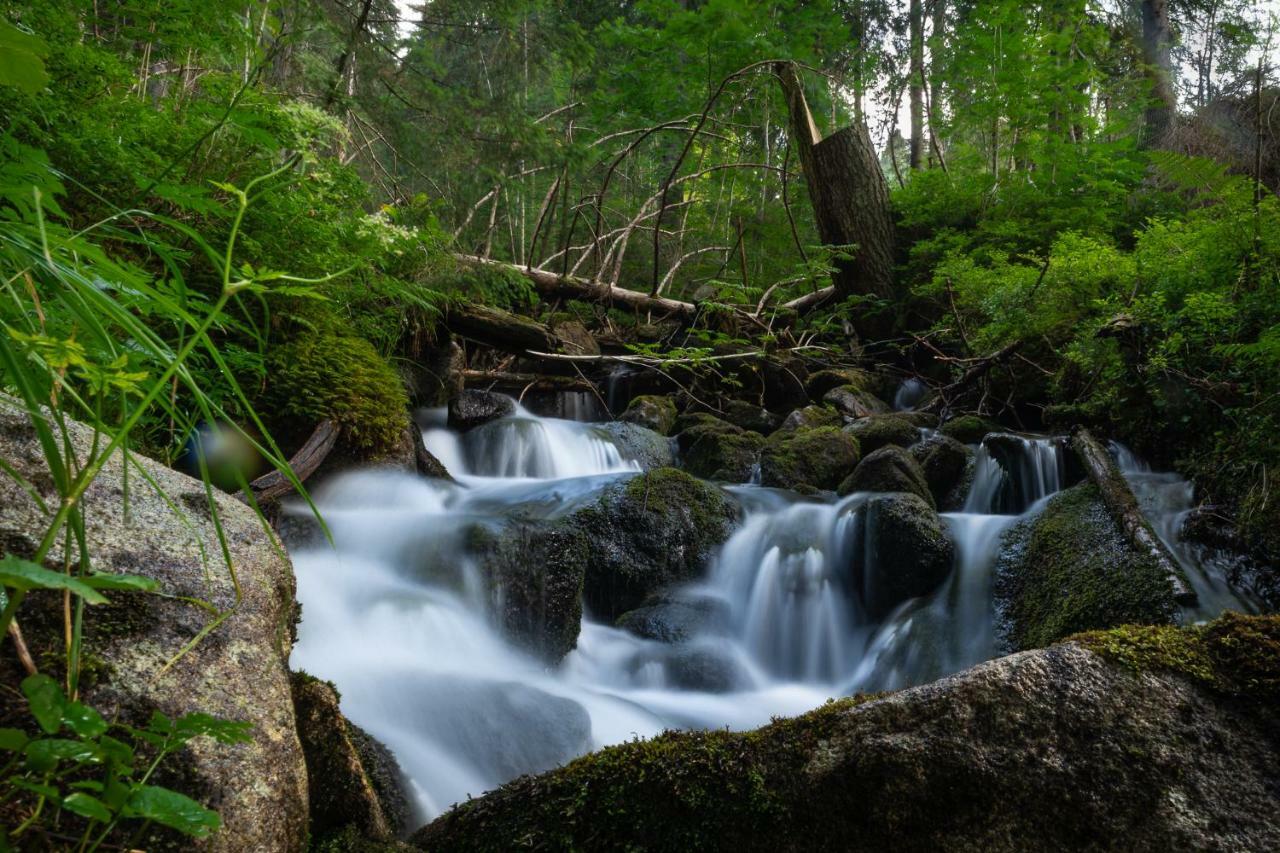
395,613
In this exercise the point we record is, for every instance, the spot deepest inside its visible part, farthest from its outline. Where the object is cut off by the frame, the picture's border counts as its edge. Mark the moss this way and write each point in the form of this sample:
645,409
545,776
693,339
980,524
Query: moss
1070,569
339,378
818,384
351,840
1234,654
817,457
969,429
813,416
889,469
879,431
723,455
654,411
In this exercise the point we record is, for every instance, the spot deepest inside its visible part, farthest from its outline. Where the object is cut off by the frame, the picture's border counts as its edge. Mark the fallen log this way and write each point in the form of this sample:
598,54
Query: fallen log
499,329
275,484
505,380
810,301
1123,506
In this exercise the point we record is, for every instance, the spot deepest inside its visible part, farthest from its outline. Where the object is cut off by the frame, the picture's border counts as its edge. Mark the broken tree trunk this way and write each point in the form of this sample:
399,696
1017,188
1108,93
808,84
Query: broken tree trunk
275,485
850,198
499,329
1123,506
553,285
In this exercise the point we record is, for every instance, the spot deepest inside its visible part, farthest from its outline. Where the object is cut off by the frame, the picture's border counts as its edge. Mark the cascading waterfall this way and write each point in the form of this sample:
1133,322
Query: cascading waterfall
1166,499
395,614
909,394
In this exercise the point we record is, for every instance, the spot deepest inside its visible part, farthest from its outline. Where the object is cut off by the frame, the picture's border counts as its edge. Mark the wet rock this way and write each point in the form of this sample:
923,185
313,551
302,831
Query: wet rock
1136,739
692,426
754,418
240,672
920,420
652,412
889,469
878,431
811,416
907,552
572,336
944,462
645,447
730,457
340,791
818,384
647,533
670,618
969,429
474,407
703,668
387,778
425,462
1071,569
854,403
808,458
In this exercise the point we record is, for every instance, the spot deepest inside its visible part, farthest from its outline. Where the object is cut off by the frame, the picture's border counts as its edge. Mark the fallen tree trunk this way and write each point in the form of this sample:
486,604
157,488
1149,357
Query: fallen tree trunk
499,329
553,285
524,381
275,485
1123,506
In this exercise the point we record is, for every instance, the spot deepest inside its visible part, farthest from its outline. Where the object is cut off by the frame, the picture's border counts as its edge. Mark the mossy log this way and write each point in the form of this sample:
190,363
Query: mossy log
1123,506
507,381
499,329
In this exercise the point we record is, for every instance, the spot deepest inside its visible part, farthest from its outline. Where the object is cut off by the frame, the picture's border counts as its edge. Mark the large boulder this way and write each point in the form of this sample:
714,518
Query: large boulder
906,552
727,456
641,445
239,672
812,416
647,533
969,429
1071,569
855,403
1147,739
573,337
651,411
749,417
808,458
879,431
474,407
944,462
672,618
818,384
889,469
342,793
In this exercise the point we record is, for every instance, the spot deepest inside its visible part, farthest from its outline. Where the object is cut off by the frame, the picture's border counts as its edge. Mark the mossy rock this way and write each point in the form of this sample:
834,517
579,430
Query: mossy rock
339,378
811,416
653,412
969,429
640,445
878,431
1065,745
654,530
691,426
1071,569
747,416
908,553
944,461
674,618
475,407
854,402
730,457
889,469
818,384
808,458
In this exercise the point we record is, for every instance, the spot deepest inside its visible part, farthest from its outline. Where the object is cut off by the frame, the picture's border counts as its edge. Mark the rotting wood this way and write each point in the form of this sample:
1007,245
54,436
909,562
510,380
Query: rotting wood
275,484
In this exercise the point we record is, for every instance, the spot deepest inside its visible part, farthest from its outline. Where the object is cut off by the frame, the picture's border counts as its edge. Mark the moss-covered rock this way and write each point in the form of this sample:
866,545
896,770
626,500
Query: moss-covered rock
653,412
339,378
855,403
721,455
878,431
647,533
919,420
474,407
969,429
572,336
1071,569
747,416
907,552
340,792
1066,746
889,469
811,416
808,458
640,445
692,426
944,462
818,384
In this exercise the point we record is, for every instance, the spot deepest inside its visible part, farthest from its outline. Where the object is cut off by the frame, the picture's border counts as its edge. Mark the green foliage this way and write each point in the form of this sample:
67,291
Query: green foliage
92,776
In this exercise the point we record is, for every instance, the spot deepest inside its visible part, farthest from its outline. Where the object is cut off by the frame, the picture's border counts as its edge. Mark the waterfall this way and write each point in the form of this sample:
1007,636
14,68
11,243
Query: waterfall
1166,499
1011,473
909,394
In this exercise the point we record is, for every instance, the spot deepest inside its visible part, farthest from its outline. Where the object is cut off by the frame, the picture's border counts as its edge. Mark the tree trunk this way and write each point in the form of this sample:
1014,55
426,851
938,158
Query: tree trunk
1123,506
274,485
1157,43
850,198
499,329
916,84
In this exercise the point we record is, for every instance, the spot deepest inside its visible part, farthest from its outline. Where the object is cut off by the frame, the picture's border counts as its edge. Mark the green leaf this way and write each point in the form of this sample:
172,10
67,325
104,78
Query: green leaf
174,810
194,725
132,583
46,700
22,59
118,751
45,755
83,720
17,573
36,788
87,806
12,740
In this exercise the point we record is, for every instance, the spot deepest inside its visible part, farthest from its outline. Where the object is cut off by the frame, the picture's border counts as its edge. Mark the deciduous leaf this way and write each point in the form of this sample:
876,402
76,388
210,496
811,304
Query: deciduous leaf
88,806
47,701
17,573
174,810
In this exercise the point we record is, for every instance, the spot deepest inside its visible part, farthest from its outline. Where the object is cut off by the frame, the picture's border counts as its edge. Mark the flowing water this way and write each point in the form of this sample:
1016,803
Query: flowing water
395,613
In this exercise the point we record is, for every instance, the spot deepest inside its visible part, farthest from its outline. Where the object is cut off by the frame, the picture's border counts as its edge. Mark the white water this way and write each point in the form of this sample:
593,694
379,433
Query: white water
1166,499
395,613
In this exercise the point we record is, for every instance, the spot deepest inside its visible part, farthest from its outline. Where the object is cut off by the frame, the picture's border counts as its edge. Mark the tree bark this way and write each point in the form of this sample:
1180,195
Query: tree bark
1123,506
499,329
275,485
916,83
850,197
1157,44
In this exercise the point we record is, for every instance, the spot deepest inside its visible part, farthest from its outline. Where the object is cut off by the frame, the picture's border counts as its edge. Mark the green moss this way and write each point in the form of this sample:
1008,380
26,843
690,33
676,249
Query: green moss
877,431
724,455
1234,654
816,457
818,384
339,378
969,429
352,840
654,411
1070,569
815,416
